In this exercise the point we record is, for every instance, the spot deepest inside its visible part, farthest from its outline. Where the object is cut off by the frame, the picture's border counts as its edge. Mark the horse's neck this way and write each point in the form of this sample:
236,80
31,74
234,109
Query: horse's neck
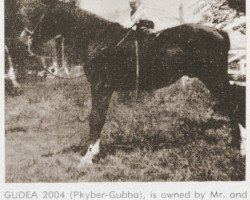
92,32
102,35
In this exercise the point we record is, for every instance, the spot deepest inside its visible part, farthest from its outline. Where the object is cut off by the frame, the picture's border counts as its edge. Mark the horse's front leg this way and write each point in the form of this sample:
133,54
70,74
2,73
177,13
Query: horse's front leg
100,103
61,57
58,46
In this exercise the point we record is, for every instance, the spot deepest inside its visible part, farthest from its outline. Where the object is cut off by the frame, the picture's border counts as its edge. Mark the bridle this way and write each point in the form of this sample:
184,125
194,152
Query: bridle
39,22
30,40
36,28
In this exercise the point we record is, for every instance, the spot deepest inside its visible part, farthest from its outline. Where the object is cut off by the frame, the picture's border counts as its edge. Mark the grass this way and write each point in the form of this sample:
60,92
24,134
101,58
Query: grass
174,135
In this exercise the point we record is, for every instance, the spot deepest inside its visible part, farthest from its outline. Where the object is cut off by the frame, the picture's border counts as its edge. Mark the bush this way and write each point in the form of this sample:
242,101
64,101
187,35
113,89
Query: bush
239,5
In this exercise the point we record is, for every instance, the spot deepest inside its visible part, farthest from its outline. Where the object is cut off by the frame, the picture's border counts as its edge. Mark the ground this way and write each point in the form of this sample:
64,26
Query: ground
173,135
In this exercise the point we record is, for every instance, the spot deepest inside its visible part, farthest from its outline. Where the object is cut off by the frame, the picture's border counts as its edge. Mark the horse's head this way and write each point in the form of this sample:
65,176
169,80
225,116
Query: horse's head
43,22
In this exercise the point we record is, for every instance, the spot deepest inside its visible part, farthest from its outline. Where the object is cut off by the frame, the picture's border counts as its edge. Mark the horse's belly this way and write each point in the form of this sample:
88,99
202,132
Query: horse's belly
154,69
146,77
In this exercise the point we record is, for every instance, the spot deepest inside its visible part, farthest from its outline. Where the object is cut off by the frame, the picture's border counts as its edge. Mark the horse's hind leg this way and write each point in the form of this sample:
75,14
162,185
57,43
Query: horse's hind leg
220,87
100,102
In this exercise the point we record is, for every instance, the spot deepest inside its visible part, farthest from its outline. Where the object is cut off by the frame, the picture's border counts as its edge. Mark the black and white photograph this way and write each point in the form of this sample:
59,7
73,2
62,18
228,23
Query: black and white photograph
125,91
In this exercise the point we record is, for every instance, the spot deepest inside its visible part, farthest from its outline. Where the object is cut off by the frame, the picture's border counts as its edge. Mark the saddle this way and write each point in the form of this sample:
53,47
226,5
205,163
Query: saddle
146,23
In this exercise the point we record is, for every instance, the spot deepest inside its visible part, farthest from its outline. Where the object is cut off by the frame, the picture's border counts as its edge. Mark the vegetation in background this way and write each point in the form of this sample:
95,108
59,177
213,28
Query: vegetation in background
239,5
221,12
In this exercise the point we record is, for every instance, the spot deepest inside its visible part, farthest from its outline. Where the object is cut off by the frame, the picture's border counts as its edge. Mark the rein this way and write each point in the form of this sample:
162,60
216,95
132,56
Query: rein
101,45
39,22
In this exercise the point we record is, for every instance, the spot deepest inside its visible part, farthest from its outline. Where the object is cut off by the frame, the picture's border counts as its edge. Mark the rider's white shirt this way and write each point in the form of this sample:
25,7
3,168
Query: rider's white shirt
136,17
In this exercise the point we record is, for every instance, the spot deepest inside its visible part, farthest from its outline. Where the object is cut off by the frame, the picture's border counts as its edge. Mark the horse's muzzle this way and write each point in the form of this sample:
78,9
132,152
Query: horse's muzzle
27,39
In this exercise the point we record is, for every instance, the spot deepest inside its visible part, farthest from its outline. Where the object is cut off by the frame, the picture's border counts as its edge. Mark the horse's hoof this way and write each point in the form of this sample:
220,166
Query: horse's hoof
85,162
242,152
92,151
243,140
243,147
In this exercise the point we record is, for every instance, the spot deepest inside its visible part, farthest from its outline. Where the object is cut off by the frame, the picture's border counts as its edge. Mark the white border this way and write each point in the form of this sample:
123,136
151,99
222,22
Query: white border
248,95
2,113
143,189
102,187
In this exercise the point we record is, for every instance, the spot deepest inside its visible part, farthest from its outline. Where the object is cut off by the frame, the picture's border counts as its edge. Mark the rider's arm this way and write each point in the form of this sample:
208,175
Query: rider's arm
137,16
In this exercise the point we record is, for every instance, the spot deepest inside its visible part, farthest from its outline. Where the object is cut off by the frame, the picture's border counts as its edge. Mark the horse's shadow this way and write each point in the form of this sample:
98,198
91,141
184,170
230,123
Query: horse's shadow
105,149
195,132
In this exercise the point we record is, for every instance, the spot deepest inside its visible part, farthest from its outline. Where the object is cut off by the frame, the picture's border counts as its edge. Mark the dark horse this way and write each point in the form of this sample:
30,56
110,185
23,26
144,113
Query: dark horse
108,53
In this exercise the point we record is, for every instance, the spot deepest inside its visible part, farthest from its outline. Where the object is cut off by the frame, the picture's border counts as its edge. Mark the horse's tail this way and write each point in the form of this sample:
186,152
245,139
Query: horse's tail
226,39
224,50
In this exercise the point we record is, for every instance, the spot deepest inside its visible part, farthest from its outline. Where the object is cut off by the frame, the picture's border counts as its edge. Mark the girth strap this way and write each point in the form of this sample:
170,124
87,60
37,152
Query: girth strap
137,69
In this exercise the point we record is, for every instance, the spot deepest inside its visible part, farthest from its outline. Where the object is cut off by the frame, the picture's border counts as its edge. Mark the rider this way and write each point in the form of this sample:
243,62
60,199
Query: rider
139,18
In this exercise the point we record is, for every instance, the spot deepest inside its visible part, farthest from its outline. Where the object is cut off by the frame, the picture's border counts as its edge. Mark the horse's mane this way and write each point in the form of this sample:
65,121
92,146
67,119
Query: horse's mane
86,16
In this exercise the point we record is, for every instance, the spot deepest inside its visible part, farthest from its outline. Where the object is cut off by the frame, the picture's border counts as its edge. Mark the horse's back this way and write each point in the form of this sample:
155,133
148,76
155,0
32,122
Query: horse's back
195,36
